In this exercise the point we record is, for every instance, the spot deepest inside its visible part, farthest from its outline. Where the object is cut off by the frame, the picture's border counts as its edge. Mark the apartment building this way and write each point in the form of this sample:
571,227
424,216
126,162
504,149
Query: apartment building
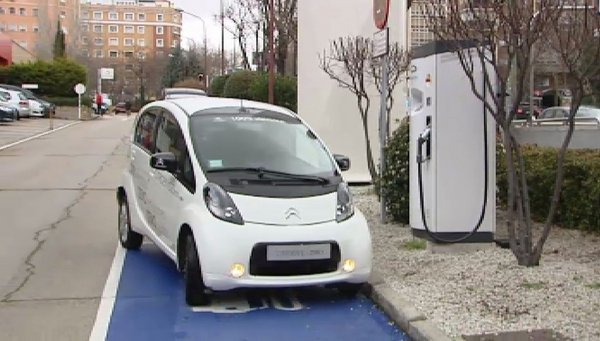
129,28
33,23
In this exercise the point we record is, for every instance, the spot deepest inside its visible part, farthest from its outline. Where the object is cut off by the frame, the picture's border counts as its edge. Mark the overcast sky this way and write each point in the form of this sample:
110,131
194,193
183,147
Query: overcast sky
192,27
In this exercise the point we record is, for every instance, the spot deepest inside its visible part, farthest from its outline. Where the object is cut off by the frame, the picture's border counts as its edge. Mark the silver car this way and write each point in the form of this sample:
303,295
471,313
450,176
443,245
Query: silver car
16,100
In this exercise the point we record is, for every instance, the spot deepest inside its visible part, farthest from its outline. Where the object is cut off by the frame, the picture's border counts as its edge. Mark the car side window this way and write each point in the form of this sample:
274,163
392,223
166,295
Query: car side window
169,138
144,132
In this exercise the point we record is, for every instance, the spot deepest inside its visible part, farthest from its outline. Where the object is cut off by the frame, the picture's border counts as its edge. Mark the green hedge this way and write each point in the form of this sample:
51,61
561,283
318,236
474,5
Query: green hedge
254,86
395,180
55,79
580,199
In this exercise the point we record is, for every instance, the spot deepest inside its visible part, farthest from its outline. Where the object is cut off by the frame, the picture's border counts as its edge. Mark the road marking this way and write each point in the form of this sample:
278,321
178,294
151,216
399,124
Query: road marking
109,296
38,135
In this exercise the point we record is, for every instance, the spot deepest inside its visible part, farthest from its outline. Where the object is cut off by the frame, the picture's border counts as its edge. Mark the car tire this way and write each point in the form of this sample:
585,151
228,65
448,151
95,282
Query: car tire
195,294
18,116
350,290
129,239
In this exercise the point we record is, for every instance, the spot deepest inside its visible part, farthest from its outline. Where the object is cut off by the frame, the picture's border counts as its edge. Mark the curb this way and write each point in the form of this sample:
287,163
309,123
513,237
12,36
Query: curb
402,312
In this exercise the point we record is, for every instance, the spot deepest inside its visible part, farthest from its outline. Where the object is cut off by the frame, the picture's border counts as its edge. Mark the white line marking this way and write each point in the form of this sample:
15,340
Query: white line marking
109,296
38,135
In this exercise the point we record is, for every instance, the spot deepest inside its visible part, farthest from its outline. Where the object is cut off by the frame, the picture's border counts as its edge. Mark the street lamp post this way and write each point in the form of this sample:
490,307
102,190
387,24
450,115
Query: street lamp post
205,49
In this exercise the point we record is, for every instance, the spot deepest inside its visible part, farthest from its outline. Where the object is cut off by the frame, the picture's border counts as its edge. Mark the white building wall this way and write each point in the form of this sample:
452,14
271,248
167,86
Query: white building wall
330,110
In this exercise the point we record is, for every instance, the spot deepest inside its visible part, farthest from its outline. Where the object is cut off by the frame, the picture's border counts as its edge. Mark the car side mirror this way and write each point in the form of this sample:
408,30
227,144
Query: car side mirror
342,161
164,161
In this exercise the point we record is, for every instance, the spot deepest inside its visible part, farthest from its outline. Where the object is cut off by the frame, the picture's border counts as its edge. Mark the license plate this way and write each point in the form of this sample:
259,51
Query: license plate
298,252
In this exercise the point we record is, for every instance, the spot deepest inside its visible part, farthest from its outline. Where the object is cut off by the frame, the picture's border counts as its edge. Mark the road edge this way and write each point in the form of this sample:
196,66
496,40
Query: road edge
402,312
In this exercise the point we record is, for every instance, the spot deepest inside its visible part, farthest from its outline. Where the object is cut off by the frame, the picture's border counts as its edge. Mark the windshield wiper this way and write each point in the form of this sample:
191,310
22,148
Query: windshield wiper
263,171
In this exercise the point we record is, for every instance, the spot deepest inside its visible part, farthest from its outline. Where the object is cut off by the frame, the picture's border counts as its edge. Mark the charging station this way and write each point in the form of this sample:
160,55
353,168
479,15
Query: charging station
452,149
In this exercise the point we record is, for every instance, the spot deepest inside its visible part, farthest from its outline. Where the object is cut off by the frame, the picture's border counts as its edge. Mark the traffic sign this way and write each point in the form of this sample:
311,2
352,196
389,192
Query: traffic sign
381,43
79,89
107,73
30,86
381,10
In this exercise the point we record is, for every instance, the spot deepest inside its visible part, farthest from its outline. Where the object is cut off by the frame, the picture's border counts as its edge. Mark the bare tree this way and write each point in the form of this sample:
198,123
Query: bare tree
502,35
241,16
347,63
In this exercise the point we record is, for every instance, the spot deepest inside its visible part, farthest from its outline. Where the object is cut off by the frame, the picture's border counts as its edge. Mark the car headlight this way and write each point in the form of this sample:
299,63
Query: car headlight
345,206
221,205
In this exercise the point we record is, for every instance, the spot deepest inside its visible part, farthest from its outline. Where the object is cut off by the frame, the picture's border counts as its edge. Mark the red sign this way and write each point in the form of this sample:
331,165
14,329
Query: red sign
381,10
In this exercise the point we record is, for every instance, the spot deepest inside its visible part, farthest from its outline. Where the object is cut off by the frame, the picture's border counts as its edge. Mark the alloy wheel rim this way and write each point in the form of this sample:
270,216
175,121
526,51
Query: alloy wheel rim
123,223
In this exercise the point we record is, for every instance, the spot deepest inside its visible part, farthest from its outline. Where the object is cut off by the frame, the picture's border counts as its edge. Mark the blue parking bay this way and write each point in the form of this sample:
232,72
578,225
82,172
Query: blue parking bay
150,305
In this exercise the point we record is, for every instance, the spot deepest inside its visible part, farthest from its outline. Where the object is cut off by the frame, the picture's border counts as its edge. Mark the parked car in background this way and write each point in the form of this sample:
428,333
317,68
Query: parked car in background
19,100
47,106
37,109
4,101
562,113
172,93
524,111
8,113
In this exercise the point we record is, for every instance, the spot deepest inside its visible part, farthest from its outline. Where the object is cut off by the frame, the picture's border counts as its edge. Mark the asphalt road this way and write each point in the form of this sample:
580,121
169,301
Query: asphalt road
61,279
56,201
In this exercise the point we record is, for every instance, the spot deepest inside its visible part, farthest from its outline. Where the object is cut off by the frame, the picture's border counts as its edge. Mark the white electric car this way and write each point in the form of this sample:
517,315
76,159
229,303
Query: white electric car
241,194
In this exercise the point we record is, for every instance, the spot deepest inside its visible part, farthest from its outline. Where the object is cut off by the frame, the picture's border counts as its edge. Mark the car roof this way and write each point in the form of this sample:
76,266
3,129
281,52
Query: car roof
192,105
171,91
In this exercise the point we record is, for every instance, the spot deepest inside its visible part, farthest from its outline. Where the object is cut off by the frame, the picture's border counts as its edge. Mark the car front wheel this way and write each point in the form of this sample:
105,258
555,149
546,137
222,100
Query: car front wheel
129,239
195,294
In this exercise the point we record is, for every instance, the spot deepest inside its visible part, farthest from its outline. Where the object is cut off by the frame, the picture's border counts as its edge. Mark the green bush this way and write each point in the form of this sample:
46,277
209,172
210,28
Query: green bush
217,85
580,198
395,181
238,85
286,90
55,79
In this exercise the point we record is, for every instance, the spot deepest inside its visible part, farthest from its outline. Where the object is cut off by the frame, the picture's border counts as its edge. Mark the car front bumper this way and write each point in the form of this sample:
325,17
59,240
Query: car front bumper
221,245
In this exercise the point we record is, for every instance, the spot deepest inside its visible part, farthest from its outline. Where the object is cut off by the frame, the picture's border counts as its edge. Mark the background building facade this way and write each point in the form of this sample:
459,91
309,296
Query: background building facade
33,23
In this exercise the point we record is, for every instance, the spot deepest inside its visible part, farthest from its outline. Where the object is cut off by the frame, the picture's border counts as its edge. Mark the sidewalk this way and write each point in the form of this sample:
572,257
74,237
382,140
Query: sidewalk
451,296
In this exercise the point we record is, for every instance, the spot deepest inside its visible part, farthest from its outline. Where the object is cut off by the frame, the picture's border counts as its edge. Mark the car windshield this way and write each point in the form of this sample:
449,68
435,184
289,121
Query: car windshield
256,139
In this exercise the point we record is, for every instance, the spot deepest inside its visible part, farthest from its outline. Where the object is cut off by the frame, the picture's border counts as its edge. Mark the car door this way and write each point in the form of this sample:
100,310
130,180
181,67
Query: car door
173,189
141,150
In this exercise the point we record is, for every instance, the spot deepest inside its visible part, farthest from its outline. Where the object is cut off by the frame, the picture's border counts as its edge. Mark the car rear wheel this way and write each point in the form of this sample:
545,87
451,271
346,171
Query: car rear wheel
129,239
18,116
350,290
195,294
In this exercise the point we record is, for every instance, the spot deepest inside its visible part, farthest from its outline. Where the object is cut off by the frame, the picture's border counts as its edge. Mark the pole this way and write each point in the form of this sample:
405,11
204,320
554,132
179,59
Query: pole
532,73
205,60
222,40
79,106
383,124
271,54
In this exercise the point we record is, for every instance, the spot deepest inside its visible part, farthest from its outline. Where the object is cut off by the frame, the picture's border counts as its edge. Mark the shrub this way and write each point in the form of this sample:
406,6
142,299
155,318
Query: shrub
580,196
56,78
395,181
217,85
286,90
238,85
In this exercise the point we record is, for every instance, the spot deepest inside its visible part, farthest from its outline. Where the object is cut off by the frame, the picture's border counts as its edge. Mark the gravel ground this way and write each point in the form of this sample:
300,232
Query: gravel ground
486,291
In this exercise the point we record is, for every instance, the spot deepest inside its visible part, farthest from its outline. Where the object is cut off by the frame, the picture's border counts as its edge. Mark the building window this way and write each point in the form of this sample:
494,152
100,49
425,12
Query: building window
85,28
141,29
84,40
129,67
141,42
98,28
174,43
22,11
35,12
129,16
129,54
160,30
98,16
98,41
85,53
2,10
98,53
129,29
12,10
12,28
113,16
113,54
36,29
113,29
113,41
160,43
128,41
22,28
85,15
160,17
141,16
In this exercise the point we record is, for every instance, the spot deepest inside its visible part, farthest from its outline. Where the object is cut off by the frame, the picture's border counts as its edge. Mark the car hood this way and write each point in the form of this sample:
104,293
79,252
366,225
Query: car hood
286,211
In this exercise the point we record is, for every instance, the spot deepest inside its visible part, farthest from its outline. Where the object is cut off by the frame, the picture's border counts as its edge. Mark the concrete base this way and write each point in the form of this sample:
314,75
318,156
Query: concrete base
458,248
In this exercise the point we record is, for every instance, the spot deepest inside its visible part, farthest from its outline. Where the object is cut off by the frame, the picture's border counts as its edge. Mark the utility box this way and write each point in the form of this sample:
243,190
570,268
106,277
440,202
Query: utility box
451,200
